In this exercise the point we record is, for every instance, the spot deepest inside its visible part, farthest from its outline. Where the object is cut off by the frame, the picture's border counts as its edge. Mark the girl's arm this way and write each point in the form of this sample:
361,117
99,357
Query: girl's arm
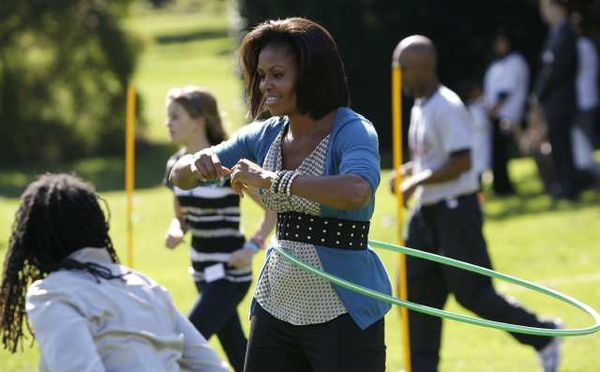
176,231
268,222
243,257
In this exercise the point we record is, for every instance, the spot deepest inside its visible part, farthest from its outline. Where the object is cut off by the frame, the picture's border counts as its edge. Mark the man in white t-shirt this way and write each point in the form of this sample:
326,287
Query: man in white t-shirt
505,89
446,218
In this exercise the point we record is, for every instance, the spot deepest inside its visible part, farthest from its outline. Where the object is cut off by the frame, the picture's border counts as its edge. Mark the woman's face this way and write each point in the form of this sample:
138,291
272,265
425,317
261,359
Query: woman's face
182,127
277,72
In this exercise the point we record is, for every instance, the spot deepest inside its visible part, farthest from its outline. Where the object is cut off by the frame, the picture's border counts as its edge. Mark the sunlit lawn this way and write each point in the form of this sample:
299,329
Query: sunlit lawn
528,237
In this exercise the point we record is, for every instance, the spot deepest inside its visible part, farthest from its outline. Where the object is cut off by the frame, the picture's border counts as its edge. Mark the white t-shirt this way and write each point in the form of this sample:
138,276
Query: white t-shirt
587,74
583,151
510,75
481,154
439,126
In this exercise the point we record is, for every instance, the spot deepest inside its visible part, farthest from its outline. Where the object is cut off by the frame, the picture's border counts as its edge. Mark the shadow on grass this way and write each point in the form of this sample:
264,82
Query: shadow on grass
533,201
187,37
106,173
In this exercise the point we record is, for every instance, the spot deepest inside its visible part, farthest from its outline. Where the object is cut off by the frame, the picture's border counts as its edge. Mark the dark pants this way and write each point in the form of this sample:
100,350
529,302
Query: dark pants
559,134
337,345
500,141
456,233
215,311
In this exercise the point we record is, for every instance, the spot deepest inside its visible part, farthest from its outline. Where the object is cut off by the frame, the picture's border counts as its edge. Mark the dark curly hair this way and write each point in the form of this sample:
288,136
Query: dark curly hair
59,214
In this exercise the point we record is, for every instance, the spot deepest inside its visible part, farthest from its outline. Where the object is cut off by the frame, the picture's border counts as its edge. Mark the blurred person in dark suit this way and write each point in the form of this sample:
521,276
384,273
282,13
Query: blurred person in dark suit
555,91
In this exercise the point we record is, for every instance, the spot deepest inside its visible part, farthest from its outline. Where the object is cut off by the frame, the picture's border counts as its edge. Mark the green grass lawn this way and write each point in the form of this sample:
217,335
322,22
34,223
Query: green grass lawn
528,237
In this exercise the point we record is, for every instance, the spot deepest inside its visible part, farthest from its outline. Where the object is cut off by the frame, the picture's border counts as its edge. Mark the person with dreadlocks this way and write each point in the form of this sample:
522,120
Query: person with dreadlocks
86,311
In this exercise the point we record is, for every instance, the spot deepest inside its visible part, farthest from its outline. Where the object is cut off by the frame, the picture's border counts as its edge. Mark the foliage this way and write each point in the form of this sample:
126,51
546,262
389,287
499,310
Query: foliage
64,68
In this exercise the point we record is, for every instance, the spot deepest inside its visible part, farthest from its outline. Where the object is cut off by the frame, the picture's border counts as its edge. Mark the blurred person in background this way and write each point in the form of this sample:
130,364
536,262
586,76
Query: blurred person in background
506,84
221,257
555,90
445,217
584,134
471,95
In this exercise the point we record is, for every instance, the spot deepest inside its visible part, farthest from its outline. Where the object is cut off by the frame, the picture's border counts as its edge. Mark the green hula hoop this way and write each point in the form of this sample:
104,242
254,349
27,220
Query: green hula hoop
450,315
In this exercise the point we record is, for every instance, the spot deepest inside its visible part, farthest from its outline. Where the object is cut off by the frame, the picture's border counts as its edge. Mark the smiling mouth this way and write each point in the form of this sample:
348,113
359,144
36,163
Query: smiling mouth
271,100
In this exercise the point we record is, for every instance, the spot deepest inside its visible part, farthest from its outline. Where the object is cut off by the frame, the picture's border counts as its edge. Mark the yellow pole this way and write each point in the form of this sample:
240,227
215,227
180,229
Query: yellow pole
130,169
397,148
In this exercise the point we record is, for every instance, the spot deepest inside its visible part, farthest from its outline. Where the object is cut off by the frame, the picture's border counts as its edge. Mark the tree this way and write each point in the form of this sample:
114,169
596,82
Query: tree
64,68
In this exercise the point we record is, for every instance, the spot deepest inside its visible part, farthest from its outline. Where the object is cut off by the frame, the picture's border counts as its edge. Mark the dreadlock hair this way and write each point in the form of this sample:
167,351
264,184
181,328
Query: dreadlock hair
59,214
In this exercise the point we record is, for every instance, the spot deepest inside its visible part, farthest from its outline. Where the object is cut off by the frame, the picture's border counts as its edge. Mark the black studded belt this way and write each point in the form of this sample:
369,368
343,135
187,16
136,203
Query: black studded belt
328,232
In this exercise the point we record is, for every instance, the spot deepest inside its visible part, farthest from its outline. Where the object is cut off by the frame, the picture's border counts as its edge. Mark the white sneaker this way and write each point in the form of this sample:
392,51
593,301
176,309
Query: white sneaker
549,356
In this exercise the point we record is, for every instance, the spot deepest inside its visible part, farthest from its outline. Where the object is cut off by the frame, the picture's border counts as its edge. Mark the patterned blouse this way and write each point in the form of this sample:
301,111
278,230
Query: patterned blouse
351,148
284,290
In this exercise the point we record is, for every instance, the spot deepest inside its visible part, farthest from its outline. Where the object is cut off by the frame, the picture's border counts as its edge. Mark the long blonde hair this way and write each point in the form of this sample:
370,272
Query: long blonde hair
198,102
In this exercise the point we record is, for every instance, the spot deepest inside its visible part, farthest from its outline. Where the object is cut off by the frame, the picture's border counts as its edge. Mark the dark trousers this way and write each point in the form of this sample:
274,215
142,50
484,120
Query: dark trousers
337,345
454,232
500,142
215,312
559,134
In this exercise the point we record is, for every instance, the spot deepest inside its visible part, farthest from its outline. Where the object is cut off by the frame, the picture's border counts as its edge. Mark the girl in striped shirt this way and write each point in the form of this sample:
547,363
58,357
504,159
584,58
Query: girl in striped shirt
221,257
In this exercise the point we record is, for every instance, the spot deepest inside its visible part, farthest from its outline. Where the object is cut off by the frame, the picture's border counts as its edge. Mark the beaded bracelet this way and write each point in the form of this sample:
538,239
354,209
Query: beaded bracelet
284,181
274,188
288,186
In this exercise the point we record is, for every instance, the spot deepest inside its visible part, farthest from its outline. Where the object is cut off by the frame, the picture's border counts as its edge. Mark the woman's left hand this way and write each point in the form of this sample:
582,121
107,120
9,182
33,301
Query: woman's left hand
248,174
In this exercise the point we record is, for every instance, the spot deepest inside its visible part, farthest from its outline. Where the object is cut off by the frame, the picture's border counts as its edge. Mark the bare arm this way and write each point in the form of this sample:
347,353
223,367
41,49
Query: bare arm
406,170
182,175
344,192
190,170
177,228
268,222
458,163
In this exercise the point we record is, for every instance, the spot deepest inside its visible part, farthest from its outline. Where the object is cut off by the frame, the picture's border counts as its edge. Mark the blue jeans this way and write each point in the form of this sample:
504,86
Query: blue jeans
215,312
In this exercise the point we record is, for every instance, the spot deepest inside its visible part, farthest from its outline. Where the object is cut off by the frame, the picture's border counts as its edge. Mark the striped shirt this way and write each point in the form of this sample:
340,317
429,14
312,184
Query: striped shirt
211,213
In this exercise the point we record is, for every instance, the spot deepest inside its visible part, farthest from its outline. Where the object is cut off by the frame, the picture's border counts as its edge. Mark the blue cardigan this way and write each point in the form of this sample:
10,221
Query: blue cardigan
352,149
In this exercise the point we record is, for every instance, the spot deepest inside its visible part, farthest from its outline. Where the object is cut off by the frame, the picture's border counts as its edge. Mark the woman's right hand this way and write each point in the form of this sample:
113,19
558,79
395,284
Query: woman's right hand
206,166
